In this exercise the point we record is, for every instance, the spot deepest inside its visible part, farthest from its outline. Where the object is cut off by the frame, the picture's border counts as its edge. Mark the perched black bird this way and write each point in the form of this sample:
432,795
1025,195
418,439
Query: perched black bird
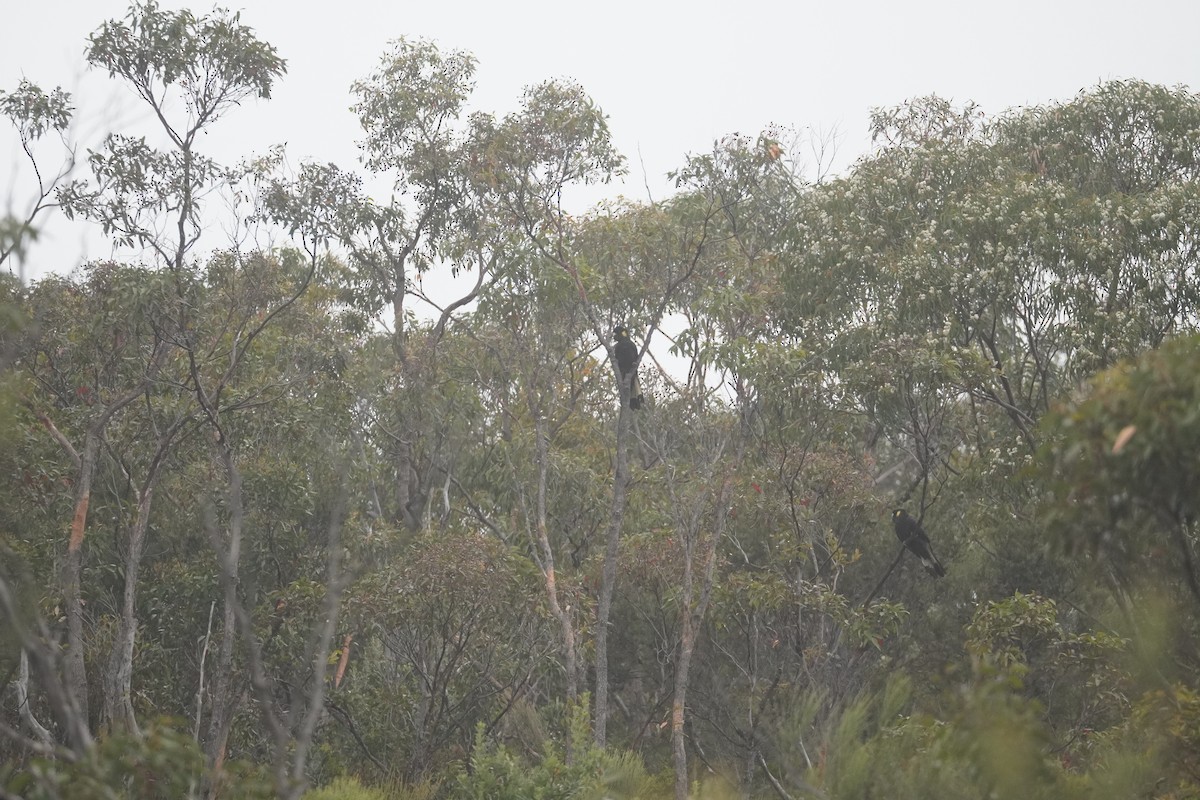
626,353
910,533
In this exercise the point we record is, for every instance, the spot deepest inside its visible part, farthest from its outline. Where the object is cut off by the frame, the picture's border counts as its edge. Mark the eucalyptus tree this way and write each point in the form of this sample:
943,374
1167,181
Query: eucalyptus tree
628,264
35,114
535,373
148,197
524,162
86,356
988,244
275,395
783,512
94,335
1123,158
960,282
551,399
189,71
414,149
971,272
94,352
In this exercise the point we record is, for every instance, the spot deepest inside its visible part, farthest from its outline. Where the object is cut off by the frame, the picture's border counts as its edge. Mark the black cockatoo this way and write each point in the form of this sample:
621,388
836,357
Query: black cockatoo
910,533
626,353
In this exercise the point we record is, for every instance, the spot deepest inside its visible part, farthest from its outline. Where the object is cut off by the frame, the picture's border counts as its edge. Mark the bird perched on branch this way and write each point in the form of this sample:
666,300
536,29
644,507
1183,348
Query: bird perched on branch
626,354
912,535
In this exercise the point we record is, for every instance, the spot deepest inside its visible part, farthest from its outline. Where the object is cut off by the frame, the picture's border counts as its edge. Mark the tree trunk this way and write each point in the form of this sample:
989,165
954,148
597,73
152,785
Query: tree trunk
563,615
72,573
21,692
37,647
302,735
407,515
75,668
689,534
608,578
224,702
118,682
687,642
692,618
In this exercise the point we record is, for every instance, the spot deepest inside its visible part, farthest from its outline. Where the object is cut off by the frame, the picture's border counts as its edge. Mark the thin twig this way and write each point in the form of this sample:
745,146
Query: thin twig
886,575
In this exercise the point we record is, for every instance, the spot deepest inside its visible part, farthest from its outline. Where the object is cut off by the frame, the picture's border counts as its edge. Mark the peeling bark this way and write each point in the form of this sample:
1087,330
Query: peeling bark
74,668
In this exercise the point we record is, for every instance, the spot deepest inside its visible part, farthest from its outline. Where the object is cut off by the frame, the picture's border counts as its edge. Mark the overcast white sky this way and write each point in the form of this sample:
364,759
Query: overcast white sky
672,76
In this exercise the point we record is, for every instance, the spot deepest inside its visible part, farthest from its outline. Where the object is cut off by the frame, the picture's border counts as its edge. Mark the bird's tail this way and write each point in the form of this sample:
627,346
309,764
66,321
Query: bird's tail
635,392
934,566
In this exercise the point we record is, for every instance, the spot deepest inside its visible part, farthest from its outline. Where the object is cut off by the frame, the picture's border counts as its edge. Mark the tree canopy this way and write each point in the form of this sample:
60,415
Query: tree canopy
277,518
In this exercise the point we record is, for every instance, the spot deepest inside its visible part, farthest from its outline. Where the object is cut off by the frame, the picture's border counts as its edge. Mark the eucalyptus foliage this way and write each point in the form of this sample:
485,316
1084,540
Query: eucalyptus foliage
346,534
